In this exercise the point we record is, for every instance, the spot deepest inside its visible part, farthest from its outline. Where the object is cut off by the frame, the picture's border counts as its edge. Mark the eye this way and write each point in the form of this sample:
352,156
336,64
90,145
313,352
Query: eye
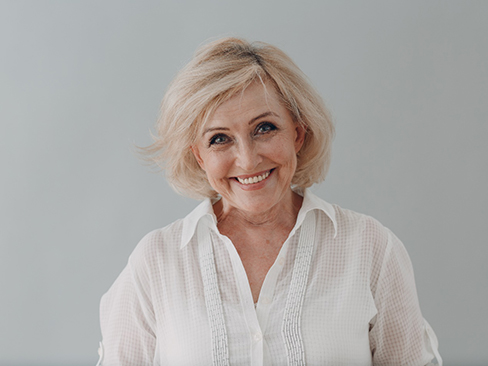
218,139
264,128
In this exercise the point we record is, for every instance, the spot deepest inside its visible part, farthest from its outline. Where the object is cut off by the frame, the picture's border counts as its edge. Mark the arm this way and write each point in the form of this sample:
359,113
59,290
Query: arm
127,321
399,335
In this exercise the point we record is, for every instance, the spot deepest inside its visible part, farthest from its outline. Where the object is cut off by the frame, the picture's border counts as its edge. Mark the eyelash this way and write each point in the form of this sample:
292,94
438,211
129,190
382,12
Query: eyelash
215,137
270,127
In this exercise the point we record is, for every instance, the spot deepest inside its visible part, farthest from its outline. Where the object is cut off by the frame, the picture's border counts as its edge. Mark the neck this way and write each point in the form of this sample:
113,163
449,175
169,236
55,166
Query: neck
283,214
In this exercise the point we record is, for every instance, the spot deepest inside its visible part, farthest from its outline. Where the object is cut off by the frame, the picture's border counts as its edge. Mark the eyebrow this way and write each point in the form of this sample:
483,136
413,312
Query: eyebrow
262,115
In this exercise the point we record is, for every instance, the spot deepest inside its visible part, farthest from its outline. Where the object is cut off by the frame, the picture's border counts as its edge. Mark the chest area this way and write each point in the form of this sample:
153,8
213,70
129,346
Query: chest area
336,309
257,253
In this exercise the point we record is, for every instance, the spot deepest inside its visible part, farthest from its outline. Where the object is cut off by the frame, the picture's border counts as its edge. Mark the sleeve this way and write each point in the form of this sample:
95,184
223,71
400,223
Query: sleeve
127,321
398,333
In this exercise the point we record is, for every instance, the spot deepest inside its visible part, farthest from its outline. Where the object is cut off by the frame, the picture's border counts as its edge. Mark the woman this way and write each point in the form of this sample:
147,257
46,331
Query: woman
262,272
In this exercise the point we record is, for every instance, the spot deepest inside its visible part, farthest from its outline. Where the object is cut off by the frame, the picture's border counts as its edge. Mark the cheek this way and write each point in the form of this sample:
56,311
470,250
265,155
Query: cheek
284,153
217,166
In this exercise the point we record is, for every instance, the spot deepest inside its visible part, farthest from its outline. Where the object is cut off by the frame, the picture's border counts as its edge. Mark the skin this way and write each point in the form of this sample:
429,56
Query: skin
249,135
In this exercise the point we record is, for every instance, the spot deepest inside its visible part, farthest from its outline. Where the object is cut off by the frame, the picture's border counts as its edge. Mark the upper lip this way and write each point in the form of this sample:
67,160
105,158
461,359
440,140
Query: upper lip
252,175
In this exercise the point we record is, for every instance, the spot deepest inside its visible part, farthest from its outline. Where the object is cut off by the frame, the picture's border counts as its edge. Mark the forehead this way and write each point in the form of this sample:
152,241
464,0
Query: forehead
256,99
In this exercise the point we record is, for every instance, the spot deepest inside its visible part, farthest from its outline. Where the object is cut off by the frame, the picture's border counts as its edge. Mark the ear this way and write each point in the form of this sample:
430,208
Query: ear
196,153
300,131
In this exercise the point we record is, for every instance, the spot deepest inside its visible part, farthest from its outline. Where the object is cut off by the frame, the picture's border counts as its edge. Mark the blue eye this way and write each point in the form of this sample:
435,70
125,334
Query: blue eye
218,139
265,128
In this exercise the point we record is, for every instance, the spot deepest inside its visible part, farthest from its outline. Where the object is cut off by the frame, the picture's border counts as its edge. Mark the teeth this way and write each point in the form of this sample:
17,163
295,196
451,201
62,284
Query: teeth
256,179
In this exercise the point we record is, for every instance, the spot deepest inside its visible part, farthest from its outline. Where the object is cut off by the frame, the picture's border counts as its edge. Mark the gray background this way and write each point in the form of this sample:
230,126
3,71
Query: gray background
81,83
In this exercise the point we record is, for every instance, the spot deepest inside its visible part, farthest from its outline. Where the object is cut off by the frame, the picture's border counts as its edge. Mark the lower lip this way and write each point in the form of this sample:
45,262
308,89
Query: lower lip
254,186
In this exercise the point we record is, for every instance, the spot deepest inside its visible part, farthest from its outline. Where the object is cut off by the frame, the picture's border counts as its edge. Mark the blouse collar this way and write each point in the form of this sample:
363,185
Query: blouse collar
205,210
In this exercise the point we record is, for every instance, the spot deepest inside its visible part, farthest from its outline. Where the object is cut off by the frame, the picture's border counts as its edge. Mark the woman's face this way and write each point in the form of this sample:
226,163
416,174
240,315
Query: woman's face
248,150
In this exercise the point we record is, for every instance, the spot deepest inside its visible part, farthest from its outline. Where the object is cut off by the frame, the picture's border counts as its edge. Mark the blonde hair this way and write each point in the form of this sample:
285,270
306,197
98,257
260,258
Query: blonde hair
217,72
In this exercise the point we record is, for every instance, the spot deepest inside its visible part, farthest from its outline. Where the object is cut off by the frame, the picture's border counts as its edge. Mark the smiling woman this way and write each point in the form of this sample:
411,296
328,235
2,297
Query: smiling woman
248,152
262,272
218,72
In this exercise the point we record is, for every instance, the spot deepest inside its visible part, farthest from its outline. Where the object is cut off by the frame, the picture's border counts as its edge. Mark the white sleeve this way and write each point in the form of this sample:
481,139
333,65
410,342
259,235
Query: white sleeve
399,335
127,321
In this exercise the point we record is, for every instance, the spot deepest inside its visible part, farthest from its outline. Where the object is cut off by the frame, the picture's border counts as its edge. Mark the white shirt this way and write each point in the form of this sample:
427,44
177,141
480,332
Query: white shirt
341,292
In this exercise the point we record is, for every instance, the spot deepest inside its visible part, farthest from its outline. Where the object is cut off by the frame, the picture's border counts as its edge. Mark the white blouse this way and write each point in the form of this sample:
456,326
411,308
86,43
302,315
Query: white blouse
341,292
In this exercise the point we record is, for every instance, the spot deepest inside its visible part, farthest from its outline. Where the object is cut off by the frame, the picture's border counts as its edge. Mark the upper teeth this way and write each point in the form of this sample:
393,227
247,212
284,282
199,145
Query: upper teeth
257,178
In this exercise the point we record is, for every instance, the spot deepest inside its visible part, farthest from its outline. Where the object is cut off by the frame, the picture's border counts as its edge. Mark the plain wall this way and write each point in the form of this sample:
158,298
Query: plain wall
81,83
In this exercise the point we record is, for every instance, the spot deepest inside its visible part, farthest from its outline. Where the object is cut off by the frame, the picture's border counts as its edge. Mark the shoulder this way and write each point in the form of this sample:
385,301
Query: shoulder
166,236
349,226
384,252
352,224
362,236
156,245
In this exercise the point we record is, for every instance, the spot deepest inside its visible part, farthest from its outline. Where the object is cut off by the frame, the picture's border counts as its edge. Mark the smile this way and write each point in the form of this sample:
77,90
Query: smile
255,179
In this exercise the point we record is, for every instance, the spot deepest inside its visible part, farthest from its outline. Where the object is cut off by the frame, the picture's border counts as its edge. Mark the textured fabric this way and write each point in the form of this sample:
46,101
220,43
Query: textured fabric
291,329
345,297
213,299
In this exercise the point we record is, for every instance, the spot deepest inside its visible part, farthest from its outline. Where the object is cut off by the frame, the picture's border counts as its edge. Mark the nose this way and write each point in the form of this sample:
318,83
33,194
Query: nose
248,157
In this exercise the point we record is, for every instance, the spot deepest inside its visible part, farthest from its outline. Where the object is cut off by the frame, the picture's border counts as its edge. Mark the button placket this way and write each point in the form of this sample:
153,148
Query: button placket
258,336
246,299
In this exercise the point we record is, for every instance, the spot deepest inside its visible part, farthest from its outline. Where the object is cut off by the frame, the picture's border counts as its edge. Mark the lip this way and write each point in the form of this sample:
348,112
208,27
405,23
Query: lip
253,175
253,186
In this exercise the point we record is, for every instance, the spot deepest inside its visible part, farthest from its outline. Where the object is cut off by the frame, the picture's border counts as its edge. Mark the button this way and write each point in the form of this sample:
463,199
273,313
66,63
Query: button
266,300
257,336
281,261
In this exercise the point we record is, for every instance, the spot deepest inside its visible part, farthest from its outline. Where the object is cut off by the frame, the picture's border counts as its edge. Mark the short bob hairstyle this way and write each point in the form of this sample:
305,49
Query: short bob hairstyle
218,71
